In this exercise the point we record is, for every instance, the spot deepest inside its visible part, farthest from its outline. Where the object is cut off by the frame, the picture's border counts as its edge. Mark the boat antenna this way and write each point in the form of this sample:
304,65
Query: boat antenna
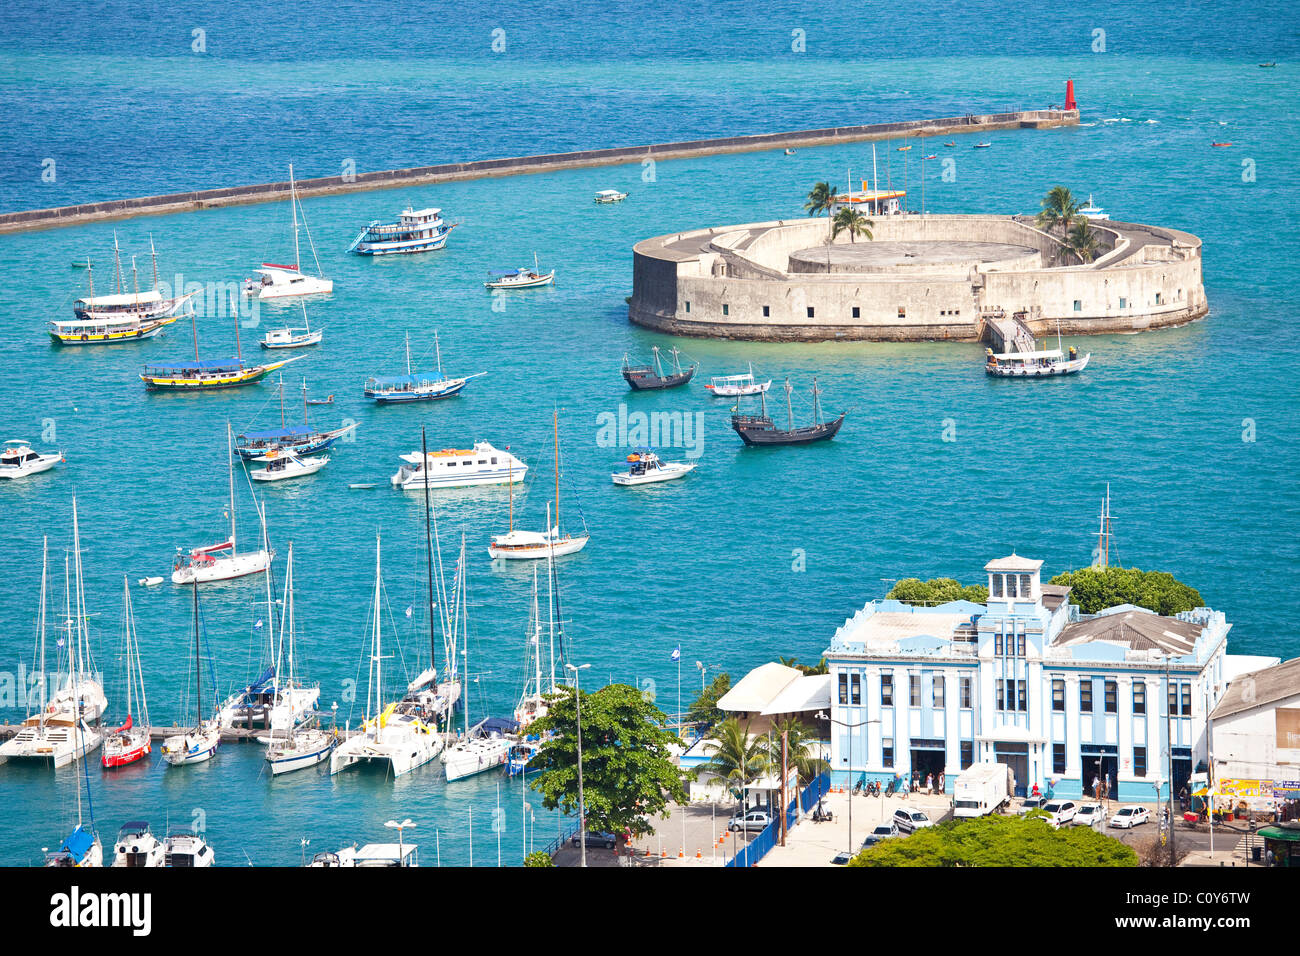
437,351
428,541
117,258
198,680
90,278
555,424
154,254
789,410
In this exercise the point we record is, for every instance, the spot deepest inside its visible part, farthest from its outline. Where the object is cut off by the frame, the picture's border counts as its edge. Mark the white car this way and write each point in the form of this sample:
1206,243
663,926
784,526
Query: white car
908,821
1130,817
1059,812
1089,814
882,832
750,820
1031,803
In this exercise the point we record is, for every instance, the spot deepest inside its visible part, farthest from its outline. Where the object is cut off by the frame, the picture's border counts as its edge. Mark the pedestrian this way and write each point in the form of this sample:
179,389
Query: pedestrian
1095,781
942,789
929,784
1034,792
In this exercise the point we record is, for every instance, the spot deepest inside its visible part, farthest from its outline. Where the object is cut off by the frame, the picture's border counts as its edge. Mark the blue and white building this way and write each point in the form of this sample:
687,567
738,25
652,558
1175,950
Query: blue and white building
1028,681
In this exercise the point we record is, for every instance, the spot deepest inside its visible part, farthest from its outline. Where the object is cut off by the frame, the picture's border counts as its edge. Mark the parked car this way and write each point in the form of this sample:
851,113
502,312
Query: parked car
1059,812
1130,817
1031,803
1089,814
842,858
908,821
750,820
882,832
596,838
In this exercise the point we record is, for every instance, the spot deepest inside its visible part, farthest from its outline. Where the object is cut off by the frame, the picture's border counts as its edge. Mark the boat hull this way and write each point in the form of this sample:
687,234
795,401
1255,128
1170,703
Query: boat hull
540,552
196,383
410,479
294,341
36,467
146,330
521,284
668,473
1071,367
188,749
398,758
288,762
309,467
649,382
123,752
223,569
764,436
417,395
460,763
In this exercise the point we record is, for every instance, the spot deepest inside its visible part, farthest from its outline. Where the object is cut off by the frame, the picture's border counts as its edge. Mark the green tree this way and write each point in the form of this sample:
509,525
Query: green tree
628,773
999,841
821,667
705,708
937,591
1082,241
820,199
1095,589
1060,209
735,757
853,222
800,741
538,859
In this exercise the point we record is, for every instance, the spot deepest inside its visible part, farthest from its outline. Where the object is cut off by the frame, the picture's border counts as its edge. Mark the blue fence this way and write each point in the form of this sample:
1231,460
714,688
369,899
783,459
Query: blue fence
770,836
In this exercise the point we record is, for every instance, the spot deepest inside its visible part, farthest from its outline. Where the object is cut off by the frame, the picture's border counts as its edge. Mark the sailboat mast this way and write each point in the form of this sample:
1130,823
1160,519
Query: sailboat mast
510,483
198,679
153,253
408,353
376,646
293,204
428,543
550,598
230,461
135,281
462,604
90,280
282,401
126,600
555,425
194,325
437,351
117,259
817,409
81,607
789,410
239,350
304,402
537,639
45,546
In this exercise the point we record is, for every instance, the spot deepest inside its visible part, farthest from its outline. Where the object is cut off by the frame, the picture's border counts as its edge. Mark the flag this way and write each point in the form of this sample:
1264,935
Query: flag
676,655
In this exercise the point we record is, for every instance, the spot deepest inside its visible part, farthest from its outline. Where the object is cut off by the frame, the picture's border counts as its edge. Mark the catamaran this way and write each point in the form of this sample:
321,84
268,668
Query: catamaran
280,281
394,736
521,278
204,373
18,460
199,744
122,316
390,389
131,741
301,439
534,545
733,386
416,230
483,464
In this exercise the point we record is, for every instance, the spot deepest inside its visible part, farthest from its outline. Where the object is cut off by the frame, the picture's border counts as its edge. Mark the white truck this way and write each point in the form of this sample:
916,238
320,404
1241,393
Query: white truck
980,790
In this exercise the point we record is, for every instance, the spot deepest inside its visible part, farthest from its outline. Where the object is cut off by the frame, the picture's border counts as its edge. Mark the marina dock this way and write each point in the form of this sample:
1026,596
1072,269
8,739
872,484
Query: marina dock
450,172
228,734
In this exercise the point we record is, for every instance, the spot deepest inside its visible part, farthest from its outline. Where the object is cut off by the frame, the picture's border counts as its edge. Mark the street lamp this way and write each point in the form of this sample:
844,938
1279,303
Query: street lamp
582,807
399,827
822,715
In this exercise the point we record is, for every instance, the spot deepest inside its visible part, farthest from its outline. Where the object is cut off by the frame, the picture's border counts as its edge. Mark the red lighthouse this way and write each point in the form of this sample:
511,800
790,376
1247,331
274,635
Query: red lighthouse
1069,96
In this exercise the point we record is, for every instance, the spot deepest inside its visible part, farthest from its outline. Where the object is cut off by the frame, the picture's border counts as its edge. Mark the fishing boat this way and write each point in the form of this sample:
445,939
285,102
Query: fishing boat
416,230
982,145
122,316
413,387
220,562
484,464
521,278
18,460
761,430
645,467
293,338
301,439
1092,212
185,849
1035,364
199,744
327,400
641,378
393,736
201,373
609,195
136,846
284,463
281,281
950,144
132,740
733,386
534,545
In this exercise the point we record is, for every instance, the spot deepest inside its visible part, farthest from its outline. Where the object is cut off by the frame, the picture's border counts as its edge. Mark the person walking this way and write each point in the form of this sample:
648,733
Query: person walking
929,784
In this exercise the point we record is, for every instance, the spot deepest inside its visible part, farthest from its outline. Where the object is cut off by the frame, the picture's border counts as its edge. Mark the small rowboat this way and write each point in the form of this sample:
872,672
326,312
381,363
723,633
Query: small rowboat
982,145
327,400
150,582
1220,144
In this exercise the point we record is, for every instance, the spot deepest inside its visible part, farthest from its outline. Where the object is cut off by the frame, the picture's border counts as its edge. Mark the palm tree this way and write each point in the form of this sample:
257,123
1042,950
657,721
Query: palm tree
1059,209
820,199
799,741
1082,241
853,222
735,757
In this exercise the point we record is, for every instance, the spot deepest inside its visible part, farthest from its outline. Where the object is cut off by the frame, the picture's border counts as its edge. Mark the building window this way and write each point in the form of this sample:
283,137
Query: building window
887,751
997,644
1139,761
965,693
810,312
767,310
886,690
1026,586
1139,697
855,689
914,689
1112,697
1187,700
857,312
902,312
1085,695
688,307
1058,695
726,309
844,688
1157,298
1058,758
967,754
1001,692
937,681
997,585
1022,700
1020,645
1173,699
1078,305
1123,302
1011,585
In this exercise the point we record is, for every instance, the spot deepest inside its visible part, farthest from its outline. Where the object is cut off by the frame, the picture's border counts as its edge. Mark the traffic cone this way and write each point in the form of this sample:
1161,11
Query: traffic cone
681,853
698,854
663,854
647,851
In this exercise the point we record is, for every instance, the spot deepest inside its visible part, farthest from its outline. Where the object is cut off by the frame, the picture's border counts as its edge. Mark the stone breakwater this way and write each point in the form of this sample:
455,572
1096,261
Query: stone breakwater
519,165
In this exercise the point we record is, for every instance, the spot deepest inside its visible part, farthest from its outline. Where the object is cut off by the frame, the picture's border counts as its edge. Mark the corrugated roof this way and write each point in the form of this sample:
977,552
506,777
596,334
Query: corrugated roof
1139,629
1259,688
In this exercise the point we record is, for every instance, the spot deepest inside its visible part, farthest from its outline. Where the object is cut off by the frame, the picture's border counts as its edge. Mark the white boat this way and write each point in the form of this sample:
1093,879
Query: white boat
416,230
1035,364
213,563
150,582
537,545
186,850
370,855
415,387
283,463
733,386
483,464
533,701
610,195
200,743
281,281
645,467
133,740
305,747
521,278
393,736
81,848
1093,212
18,460
137,846
291,337
484,747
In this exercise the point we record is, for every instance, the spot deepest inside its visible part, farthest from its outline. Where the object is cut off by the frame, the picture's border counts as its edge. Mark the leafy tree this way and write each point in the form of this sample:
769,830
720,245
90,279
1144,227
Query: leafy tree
1095,589
853,222
538,858
1060,210
820,199
999,841
734,757
821,667
800,740
705,708
1082,241
628,773
937,591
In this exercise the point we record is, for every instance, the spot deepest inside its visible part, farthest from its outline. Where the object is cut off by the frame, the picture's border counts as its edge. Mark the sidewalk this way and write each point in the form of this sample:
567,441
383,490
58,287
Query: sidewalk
814,844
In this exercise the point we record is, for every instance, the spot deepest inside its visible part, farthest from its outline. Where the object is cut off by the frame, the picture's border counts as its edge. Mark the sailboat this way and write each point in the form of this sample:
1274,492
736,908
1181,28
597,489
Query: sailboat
81,847
213,563
521,278
534,706
761,430
282,281
199,744
300,439
201,373
394,736
642,378
293,338
533,701
534,545
132,740
415,387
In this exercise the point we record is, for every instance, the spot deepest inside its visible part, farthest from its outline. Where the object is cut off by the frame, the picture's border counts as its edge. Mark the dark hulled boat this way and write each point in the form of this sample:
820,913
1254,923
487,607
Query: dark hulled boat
761,430
643,378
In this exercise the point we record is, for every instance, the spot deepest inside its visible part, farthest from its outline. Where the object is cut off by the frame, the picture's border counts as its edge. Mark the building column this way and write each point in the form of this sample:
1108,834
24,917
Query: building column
1073,754
1123,734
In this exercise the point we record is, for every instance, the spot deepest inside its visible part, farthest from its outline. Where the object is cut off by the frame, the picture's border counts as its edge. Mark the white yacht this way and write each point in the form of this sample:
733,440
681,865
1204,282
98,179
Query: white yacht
483,464
185,849
1092,212
18,460
485,746
645,467
284,463
137,846
370,855
281,281
733,386
609,195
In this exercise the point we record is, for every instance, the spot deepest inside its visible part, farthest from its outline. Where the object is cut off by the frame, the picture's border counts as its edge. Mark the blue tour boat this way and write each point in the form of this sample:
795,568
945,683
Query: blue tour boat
416,230
300,439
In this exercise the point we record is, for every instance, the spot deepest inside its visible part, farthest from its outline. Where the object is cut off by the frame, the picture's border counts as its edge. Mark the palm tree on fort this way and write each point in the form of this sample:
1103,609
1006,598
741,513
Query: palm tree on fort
1082,241
1060,209
820,199
853,222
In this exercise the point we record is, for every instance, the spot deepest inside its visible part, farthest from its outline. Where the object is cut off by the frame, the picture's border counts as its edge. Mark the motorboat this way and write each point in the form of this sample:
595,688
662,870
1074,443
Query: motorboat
18,459
185,849
734,386
291,337
483,464
283,463
645,467
416,230
521,278
1092,212
137,846
1040,364
609,195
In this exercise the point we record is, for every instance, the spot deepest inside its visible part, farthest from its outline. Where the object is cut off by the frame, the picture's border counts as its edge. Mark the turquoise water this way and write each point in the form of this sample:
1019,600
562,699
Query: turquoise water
757,553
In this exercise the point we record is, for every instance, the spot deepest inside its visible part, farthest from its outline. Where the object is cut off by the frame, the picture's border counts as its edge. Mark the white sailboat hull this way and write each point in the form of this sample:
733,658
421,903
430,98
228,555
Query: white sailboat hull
475,757
569,544
401,755
224,568
192,747
56,746
293,285
665,472
306,750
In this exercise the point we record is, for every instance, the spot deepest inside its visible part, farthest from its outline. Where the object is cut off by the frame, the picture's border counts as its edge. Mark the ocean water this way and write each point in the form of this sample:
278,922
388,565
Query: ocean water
759,552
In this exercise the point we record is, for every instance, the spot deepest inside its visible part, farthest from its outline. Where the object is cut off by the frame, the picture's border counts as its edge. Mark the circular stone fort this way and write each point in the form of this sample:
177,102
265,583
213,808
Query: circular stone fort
921,277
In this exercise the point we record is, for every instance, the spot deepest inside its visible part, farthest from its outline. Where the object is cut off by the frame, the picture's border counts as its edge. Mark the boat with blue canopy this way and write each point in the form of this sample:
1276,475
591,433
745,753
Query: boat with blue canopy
301,439
200,373
415,386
